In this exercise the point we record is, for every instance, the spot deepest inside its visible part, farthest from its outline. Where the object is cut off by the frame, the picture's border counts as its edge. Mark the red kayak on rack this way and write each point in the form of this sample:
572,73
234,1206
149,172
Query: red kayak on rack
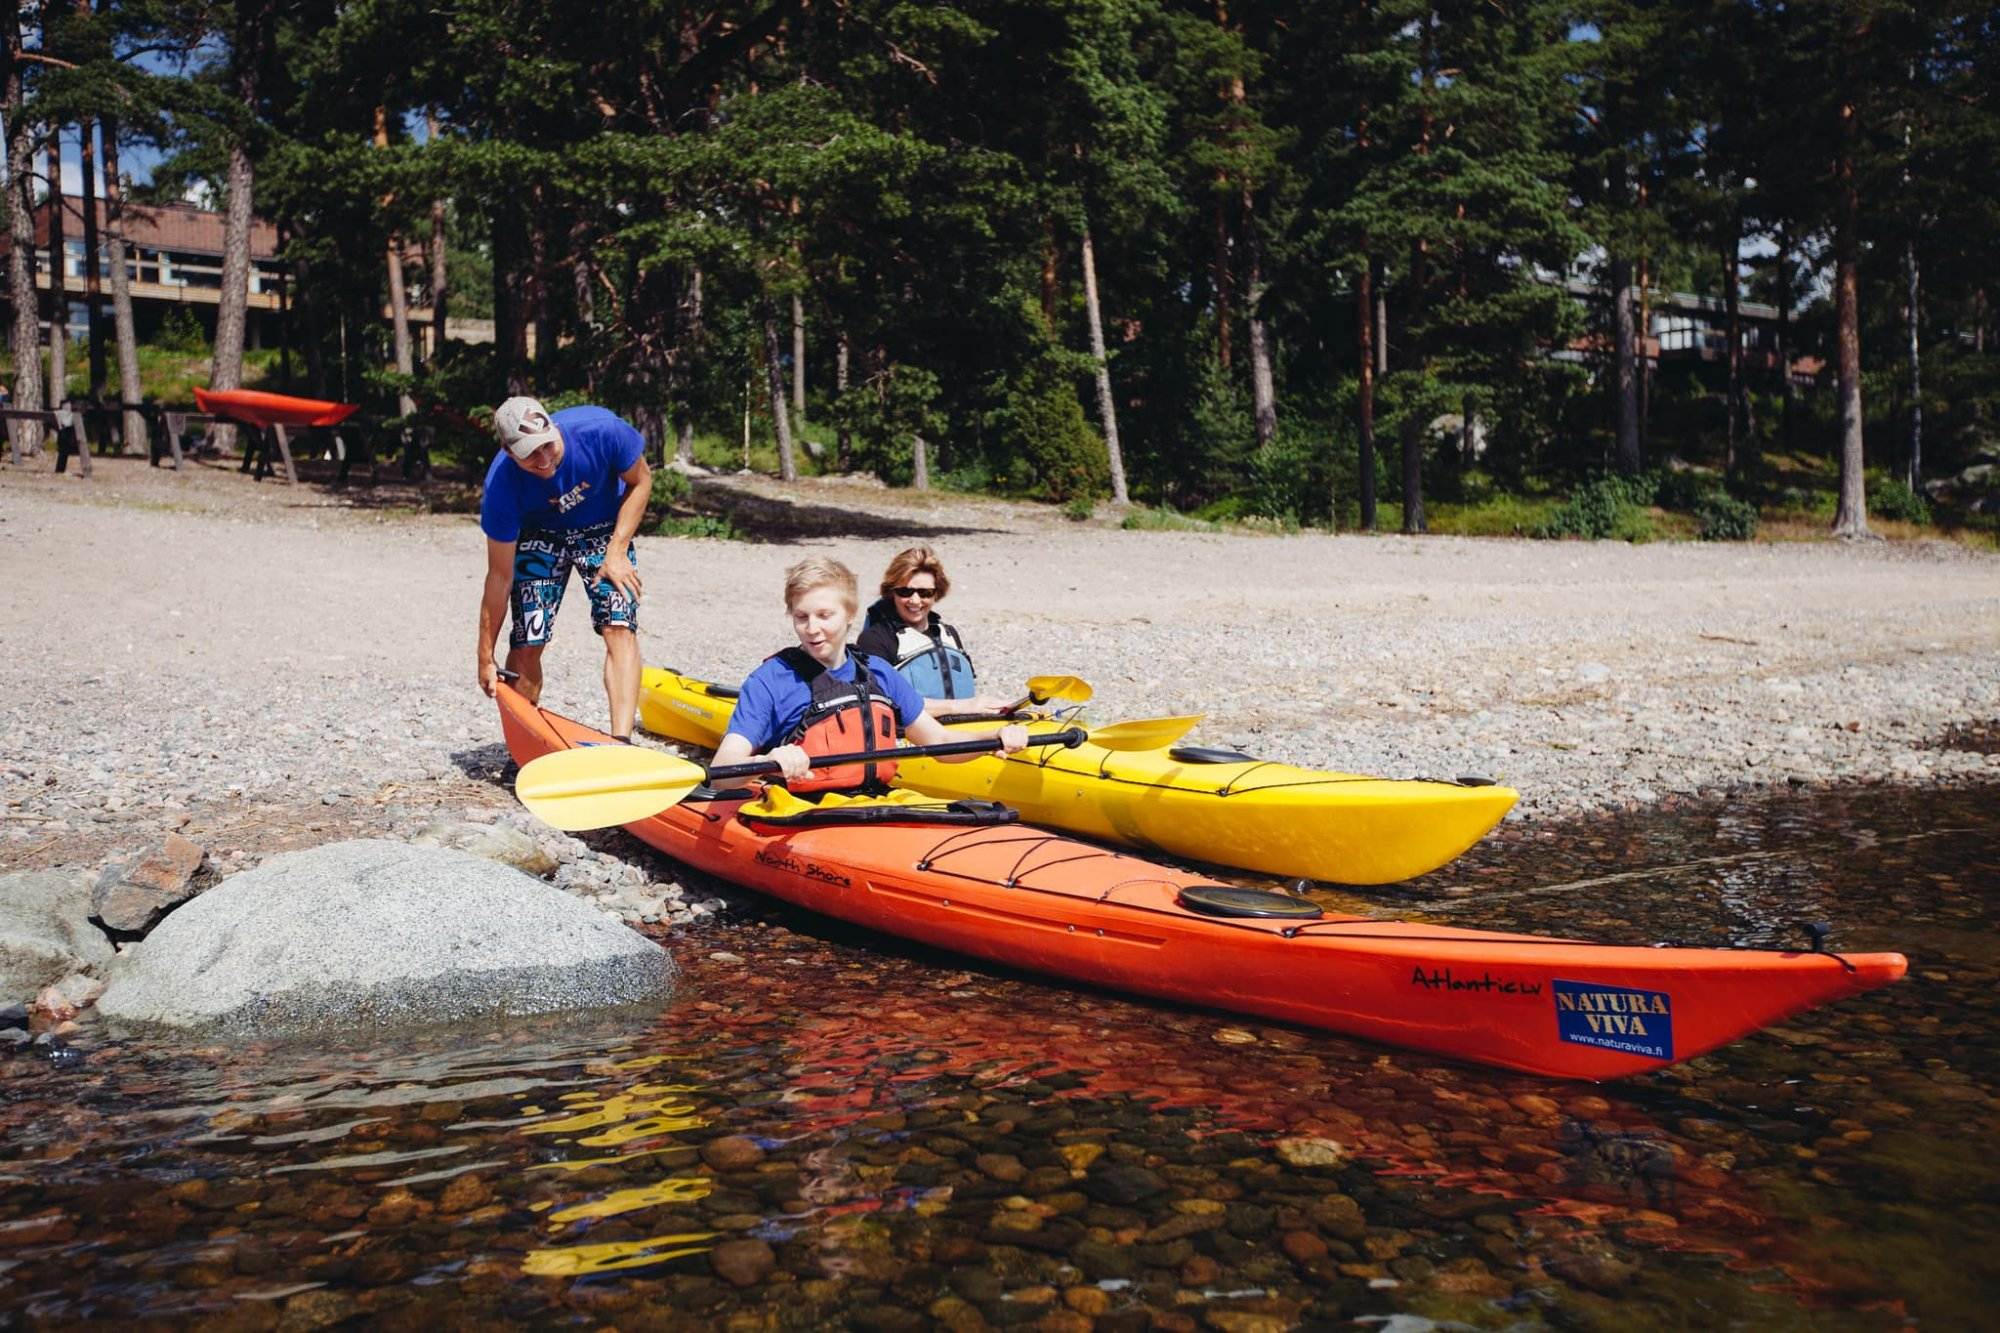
1028,898
254,407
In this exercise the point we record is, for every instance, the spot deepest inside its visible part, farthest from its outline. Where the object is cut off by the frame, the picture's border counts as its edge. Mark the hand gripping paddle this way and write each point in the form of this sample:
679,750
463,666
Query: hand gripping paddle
596,786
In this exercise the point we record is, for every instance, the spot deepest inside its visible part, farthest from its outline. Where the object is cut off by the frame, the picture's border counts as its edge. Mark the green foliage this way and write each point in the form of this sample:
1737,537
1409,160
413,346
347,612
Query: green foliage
705,527
1163,519
1079,509
1499,515
181,331
669,488
1043,424
1604,507
1892,498
1721,517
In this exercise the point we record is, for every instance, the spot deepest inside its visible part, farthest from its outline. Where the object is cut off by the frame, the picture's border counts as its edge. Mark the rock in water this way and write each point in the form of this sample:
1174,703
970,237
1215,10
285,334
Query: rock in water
45,931
376,934
133,895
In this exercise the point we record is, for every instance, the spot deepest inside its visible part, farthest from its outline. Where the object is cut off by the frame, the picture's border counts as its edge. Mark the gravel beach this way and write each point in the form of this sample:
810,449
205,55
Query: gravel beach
269,667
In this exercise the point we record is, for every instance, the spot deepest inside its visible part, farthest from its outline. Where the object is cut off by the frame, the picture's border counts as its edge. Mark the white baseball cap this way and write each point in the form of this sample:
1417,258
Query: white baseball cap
523,425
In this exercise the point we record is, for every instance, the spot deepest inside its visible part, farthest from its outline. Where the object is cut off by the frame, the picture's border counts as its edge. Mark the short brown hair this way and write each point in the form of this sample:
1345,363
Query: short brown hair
819,571
915,560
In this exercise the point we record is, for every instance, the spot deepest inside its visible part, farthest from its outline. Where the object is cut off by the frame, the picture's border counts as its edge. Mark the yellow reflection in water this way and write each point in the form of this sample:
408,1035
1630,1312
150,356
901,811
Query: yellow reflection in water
579,1260
660,1109
674,1189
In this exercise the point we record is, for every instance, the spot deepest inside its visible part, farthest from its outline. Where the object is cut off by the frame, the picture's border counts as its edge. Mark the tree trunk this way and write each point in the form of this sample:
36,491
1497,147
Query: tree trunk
440,289
58,277
1625,369
93,280
510,325
843,440
1413,472
399,306
1263,390
774,376
1915,320
920,463
1786,394
1645,331
307,304
1850,518
1049,287
232,310
129,386
1379,280
1223,280
25,437
799,358
1107,404
1364,332
1732,300
688,312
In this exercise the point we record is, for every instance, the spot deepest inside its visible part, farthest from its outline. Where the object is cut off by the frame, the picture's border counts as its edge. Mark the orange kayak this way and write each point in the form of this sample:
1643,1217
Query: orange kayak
254,407
1046,903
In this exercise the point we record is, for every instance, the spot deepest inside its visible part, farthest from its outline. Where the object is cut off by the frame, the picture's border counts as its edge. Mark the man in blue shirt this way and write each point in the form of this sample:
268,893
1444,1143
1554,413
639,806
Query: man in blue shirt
566,491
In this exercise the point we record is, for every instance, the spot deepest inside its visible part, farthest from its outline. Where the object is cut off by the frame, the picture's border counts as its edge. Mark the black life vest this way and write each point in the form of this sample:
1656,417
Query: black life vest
843,717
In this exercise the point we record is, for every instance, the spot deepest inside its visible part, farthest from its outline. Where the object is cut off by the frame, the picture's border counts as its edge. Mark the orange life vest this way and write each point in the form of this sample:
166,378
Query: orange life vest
843,717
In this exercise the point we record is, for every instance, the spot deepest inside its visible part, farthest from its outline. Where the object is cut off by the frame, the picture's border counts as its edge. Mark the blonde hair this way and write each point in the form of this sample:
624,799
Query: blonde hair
818,571
915,560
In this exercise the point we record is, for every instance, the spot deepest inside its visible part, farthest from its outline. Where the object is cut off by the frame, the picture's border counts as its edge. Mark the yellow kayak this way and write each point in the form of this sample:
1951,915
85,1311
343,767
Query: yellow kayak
1206,805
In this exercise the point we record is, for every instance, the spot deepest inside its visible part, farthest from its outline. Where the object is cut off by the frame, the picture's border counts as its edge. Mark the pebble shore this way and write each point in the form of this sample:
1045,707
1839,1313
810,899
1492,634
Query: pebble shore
264,667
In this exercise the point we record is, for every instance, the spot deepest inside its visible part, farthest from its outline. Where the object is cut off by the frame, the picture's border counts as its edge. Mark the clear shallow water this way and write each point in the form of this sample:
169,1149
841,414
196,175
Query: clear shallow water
839,1131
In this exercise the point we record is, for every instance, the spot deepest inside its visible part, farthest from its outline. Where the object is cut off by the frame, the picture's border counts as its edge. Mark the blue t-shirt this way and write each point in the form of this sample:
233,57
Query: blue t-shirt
598,445
774,698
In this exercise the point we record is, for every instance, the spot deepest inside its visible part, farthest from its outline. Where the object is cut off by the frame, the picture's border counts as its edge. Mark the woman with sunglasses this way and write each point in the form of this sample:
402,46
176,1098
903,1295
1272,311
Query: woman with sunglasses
903,629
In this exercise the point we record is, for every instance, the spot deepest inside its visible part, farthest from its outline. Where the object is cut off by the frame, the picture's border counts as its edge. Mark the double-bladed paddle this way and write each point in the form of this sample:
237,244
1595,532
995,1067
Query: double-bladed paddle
1041,689
596,786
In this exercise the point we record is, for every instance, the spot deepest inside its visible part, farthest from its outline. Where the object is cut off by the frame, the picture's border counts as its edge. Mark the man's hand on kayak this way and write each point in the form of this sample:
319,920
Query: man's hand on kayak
489,676
1013,737
792,761
617,567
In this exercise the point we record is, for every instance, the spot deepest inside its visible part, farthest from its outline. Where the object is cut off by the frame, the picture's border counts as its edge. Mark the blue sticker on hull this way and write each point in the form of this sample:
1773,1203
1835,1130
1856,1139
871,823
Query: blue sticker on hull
1618,1018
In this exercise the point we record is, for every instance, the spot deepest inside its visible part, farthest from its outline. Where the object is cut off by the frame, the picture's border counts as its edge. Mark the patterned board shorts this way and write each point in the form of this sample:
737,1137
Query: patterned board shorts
542,562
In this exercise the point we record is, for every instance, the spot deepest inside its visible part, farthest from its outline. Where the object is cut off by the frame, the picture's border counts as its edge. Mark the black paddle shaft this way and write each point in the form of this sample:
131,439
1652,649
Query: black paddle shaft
1069,738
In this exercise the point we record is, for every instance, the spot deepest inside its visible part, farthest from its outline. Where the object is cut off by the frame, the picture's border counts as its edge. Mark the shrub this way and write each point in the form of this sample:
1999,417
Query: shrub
1601,508
1683,490
1079,509
1894,499
1721,517
1047,428
181,331
1164,520
716,527
670,487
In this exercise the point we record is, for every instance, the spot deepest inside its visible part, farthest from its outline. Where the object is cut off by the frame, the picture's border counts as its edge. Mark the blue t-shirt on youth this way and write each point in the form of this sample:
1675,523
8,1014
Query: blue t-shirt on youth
774,698
585,491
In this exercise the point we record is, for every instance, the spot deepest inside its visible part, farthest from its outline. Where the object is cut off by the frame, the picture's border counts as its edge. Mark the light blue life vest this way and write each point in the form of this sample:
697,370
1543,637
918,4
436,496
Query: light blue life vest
938,668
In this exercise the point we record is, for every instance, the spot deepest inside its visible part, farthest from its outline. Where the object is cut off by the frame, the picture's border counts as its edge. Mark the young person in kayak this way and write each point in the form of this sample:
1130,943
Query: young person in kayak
566,491
819,698
903,629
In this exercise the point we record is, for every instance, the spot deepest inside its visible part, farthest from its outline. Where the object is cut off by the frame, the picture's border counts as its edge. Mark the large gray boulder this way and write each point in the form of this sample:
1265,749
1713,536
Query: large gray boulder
377,934
45,931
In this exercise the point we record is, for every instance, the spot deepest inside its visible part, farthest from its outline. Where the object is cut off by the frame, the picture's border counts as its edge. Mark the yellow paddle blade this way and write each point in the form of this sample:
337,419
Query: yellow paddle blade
1069,689
1146,733
597,786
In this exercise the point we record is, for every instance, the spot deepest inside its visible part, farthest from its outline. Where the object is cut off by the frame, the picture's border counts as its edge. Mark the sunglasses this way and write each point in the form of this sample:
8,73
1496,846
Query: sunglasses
929,593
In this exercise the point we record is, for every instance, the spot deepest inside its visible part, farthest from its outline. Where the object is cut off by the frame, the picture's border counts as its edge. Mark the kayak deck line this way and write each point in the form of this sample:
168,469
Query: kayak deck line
1245,812
1562,1008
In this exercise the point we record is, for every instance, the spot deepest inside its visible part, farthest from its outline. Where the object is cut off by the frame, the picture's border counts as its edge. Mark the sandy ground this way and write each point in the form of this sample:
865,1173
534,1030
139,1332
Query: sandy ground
174,641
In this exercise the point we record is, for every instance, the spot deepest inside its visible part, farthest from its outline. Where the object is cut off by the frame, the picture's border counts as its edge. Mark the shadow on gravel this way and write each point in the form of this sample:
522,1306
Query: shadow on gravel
778,521
1970,737
486,763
